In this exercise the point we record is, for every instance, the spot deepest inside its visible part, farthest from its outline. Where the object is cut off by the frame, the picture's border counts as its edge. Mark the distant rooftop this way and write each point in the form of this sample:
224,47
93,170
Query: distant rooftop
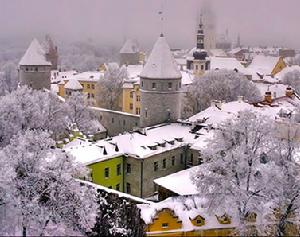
130,46
34,55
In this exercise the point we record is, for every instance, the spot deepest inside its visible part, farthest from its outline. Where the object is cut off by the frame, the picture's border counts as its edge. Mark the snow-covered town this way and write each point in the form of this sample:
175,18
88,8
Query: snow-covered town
180,118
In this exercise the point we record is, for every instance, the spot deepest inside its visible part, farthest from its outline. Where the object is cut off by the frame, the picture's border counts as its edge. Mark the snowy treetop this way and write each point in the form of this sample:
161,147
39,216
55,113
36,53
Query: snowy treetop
34,55
161,63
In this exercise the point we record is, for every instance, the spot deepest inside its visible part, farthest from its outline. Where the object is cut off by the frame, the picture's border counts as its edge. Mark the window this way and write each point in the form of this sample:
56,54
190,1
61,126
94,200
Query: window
112,120
196,66
192,158
128,168
89,95
146,113
88,86
137,110
164,164
36,69
179,84
153,85
138,98
202,67
128,187
110,187
170,85
181,158
93,86
124,122
118,187
155,164
173,160
92,94
142,84
119,169
26,69
199,221
131,106
164,225
131,94
106,172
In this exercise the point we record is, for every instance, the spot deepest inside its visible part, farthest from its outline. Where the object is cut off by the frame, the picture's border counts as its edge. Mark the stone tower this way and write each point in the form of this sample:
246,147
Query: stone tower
51,52
129,53
160,86
34,69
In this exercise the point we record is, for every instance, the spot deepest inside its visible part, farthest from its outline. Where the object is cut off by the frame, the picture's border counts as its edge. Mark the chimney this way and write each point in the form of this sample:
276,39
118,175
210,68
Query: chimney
289,91
268,97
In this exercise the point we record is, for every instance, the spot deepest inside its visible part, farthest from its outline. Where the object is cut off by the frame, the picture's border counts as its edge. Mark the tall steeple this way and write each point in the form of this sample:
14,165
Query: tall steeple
200,35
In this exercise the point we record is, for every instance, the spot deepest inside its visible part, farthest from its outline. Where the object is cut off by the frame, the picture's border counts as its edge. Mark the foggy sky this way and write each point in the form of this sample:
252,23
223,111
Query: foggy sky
259,22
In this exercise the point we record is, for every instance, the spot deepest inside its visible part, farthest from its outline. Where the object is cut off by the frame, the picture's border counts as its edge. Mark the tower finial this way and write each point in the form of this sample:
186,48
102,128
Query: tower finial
160,13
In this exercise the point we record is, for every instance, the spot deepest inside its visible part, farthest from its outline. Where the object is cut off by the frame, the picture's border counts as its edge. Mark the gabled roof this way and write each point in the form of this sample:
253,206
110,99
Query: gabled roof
34,55
161,63
73,85
130,47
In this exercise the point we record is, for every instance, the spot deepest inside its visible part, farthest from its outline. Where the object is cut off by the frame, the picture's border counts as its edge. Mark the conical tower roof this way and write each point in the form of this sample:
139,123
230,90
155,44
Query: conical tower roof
130,46
34,55
161,63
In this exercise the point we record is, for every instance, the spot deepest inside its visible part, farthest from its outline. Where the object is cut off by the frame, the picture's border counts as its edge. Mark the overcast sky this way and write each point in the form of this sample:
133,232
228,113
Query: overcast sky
271,22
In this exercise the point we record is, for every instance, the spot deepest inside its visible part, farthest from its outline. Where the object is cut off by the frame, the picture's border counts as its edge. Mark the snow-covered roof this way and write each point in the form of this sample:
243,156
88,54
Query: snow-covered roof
92,76
263,64
179,182
73,85
86,152
185,208
130,46
134,71
217,53
161,63
277,90
218,113
34,55
57,76
225,63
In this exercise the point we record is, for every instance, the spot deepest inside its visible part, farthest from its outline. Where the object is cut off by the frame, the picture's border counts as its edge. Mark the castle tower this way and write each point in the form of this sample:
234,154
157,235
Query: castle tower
129,53
51,52
160,86
34,69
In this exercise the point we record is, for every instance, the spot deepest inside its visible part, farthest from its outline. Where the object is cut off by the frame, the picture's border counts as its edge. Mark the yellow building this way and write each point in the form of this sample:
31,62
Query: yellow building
88,81
280,65
131,102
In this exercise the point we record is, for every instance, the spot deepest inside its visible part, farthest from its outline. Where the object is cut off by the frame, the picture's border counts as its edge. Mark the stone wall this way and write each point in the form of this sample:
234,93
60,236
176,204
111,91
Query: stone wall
36,77
116,122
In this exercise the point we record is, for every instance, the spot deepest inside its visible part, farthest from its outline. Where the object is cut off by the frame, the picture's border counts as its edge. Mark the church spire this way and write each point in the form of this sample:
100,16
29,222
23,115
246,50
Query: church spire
200,34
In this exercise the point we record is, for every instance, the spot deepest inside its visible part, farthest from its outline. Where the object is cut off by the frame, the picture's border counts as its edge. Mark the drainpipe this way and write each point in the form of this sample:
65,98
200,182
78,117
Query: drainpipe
142,177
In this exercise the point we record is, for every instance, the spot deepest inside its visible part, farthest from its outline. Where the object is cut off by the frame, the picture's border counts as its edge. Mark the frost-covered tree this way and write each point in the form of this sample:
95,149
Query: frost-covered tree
293,79
80,116
109,88
117,217
237,177
218,85
287,202
8,78
43,194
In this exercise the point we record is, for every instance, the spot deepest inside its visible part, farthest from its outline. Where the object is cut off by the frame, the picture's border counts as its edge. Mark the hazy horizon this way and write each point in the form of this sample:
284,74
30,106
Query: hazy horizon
268,22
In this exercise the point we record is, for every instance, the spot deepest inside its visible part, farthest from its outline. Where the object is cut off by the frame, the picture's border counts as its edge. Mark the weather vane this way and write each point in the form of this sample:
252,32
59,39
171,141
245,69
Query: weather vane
160,13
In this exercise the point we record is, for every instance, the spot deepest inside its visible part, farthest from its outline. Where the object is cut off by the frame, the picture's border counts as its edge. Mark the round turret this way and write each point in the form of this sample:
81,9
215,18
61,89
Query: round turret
160,86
